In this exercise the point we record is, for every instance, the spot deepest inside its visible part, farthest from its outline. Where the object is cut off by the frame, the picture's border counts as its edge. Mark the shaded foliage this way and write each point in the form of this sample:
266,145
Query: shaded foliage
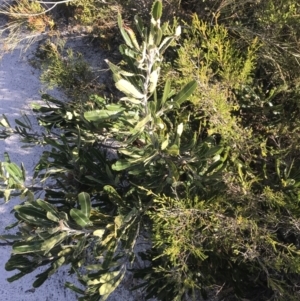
199,154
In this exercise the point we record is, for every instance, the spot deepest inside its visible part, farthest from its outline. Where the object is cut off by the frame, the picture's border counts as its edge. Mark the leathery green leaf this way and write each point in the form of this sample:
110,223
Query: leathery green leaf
7,194
99,232
47,207
41,278
128,89
121,165
109,276
173,150
156,10
98,115
107,288
141,124
113,195
14,171
79,247
166,93
52,217
153,80
74,288
186,91
50,243
25,247
80,218
123,32
85,203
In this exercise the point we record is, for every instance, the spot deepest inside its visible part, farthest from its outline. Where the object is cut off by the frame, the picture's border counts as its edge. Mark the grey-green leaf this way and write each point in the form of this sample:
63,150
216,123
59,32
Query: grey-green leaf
85,203
157,10
80,218
50,243
128,89
98,115
25,247
123,32
186,92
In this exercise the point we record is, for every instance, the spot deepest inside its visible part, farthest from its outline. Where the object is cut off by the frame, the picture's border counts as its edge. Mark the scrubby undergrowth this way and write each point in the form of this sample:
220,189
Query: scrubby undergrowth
196,148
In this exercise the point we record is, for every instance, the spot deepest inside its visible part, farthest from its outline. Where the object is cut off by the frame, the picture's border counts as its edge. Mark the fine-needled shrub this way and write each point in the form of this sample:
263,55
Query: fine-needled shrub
193,156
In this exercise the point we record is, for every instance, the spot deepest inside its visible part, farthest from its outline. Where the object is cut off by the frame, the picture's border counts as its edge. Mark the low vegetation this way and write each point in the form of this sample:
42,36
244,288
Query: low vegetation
195,152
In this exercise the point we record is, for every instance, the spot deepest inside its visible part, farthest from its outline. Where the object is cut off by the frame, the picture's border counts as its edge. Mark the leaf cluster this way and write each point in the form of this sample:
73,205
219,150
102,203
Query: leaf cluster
198,156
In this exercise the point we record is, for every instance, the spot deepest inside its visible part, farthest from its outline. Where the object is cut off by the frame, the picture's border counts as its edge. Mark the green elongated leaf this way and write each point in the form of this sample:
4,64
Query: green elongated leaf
113,195
132,37
156,11
186,92
109,276
214,167
140,26
121,165
174,173
12,225
22,124
25,247
6,157
79,247
11,237
29,195
216,150
123,32
173,150
158,36
128,89
165,44
30,210
99,232
50,243
164,144
4,122
7,194
14,171
65,251
23,171
18,262
47,207
166,93
141,124
94,179
33,216
153,80
74,288
85,203
80,218
115,108
52,217
131,99
117,70
41,278
107,288
16,277
98,115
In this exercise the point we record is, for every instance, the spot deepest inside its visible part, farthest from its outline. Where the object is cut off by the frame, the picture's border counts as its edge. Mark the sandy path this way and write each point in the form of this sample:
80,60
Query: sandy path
19,86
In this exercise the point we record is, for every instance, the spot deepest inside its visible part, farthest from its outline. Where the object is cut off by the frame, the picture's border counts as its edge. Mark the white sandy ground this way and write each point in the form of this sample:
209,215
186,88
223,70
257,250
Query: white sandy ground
19,87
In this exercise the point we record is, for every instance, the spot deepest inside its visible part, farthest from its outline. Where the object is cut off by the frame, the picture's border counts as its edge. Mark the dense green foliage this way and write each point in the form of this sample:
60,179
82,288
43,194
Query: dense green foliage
197,152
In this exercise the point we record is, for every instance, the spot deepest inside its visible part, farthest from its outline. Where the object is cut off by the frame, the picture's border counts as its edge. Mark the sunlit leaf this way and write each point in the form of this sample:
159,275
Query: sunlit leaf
80,218
50,243
128,89
85,203
156,10
186,91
